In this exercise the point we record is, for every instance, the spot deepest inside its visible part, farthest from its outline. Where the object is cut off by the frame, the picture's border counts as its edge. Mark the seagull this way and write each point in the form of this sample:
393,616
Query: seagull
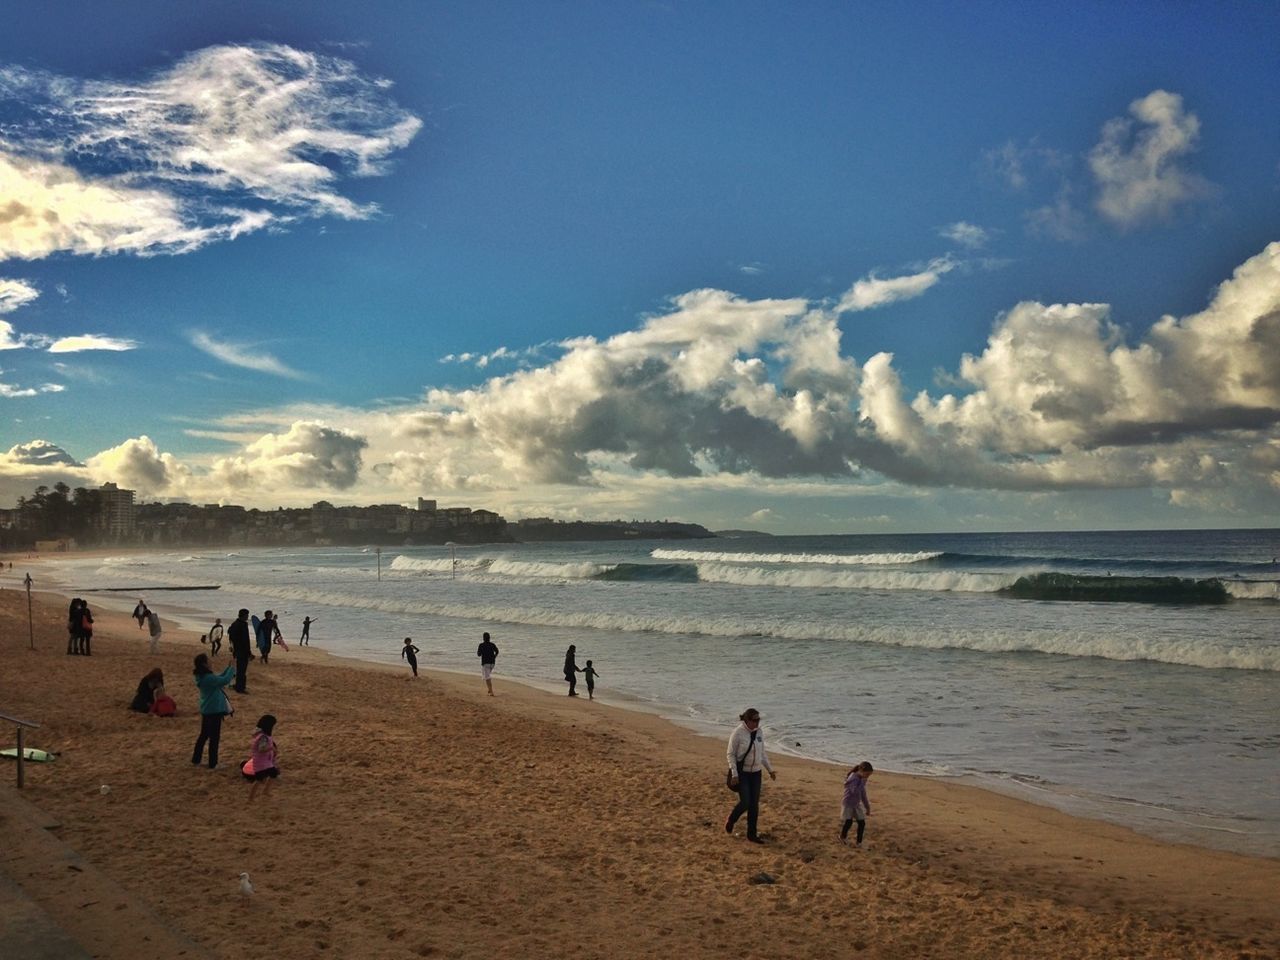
246,888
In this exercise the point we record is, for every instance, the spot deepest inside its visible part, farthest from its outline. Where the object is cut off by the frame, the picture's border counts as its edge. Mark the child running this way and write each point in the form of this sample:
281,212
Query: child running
410,652
261,765
590,674
856,805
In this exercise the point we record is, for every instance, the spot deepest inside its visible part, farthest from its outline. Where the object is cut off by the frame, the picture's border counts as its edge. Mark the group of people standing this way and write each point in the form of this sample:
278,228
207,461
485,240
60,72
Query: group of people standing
79,628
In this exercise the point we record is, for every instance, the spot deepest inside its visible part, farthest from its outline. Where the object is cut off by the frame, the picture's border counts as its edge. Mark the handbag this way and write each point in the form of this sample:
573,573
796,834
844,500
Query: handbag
728,774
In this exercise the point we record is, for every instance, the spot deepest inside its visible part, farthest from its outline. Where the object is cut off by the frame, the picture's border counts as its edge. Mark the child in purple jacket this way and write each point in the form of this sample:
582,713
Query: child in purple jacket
856,806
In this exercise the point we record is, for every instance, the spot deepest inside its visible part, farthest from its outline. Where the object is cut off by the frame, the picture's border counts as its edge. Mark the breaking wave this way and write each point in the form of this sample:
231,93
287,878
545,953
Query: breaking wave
1243,655
939,580
830,559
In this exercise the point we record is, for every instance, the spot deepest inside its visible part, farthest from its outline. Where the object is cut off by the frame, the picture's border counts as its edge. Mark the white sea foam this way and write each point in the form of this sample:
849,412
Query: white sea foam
1253,589
829,559
940,580
1246,656
563,571
501,566
438,564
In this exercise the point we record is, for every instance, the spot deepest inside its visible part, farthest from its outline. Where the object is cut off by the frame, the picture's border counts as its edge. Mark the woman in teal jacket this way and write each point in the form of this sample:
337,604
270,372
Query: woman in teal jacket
214,705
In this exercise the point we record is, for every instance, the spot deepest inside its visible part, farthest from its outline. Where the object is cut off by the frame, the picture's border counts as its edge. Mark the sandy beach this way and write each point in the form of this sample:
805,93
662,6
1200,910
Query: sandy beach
423,818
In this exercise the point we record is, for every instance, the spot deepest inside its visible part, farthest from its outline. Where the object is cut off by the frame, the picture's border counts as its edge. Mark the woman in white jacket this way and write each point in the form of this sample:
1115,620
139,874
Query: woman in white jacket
747,760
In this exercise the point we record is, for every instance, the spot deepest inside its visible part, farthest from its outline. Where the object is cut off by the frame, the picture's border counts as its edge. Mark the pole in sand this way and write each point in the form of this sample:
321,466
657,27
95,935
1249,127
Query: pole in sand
31,632
378,551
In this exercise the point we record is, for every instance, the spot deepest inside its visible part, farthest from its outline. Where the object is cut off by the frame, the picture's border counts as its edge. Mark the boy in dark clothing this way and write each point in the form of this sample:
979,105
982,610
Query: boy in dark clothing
590,674
488,654
410,652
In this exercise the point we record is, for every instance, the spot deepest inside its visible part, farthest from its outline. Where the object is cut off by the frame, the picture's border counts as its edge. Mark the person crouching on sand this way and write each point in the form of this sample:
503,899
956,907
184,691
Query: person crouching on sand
747,760
856,806
410,652
261,765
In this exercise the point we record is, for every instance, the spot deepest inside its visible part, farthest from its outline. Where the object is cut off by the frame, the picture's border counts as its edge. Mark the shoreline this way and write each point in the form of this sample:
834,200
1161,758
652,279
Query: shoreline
976,857
1146,817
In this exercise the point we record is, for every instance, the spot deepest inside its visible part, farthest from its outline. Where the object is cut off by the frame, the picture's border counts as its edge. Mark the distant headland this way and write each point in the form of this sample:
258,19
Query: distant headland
61,519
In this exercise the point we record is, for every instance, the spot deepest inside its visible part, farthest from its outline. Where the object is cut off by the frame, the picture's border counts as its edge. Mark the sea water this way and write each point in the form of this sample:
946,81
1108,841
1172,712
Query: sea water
1160,713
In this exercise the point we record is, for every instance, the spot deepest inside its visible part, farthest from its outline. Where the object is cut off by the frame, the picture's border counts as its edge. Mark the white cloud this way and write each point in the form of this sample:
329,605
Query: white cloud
966,234
722,396
39,453
243,355
15,294
228,140
873,291
310,454
91,341
1135,164
137,464
9,390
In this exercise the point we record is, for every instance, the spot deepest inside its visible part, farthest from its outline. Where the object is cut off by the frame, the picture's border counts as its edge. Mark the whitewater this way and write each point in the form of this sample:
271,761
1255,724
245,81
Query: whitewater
910,651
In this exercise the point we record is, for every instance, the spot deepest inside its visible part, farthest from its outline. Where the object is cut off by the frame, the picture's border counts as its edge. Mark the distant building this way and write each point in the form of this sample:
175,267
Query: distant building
426,506
119,516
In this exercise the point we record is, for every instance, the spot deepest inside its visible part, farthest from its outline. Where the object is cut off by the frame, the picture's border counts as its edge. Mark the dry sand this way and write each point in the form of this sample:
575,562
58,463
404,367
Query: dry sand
423,818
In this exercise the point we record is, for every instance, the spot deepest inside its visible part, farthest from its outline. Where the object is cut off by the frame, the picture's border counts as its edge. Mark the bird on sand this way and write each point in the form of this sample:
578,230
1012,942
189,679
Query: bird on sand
246,888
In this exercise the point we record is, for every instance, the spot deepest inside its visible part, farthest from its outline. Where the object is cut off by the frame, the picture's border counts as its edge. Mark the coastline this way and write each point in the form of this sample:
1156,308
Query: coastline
424,790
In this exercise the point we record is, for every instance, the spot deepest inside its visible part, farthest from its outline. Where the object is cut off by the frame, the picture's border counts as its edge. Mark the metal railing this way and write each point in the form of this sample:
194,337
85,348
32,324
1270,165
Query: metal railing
22,753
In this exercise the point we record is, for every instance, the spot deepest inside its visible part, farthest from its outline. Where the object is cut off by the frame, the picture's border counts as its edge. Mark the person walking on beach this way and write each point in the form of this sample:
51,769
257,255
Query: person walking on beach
155,630
238,634
266,634
856,806
488,654
261,765
215,637
589,674
214,705
571,670
140,613
410,652
305,639
747,760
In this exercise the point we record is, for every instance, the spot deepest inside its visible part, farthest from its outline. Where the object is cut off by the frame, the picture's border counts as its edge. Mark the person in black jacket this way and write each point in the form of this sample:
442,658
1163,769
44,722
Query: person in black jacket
571,670
238,634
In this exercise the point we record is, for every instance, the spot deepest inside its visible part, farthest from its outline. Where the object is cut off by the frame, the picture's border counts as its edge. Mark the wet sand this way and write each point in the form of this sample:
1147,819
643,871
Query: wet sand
423,818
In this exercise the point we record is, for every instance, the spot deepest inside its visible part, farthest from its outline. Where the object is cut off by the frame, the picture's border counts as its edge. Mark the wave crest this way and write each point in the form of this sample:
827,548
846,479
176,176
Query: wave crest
828,559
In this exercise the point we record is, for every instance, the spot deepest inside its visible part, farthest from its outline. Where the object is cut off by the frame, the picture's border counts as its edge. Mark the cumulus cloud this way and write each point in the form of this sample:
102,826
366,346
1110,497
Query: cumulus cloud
243,355
228,140
137,464
1136,162
39,453
726,393
309,454
966,234
873,291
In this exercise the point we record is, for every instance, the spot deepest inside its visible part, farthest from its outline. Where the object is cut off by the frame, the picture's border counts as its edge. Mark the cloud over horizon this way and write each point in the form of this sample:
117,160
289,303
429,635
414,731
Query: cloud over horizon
719,386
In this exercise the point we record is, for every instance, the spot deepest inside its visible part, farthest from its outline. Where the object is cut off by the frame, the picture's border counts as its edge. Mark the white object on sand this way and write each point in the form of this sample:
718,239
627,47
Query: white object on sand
246,888
104,789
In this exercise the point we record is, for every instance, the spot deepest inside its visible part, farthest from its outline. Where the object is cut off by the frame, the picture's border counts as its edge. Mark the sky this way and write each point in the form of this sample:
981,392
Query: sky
798,268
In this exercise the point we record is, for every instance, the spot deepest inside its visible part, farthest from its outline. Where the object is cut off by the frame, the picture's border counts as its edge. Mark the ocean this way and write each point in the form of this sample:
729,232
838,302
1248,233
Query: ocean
1127,676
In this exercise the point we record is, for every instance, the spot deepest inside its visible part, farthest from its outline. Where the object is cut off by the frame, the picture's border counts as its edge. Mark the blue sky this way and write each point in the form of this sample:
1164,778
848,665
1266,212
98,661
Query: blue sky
722,262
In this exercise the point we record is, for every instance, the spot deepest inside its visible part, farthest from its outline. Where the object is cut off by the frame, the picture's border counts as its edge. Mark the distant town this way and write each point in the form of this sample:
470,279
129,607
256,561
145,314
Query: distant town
61,519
